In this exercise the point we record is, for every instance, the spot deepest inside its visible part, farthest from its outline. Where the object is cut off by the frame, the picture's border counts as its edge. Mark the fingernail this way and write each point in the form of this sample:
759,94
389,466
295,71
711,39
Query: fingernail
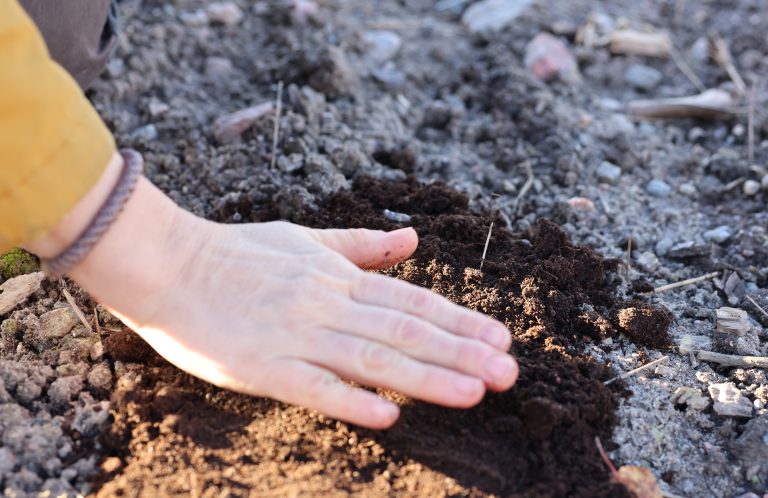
386,411
495,335
500,368
467,386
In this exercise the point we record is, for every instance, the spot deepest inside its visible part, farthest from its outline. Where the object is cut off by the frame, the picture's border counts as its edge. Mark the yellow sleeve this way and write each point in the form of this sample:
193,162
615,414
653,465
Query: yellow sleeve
53,145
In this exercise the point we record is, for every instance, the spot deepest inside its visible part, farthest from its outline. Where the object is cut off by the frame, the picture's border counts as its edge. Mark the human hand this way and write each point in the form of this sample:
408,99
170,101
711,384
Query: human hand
283,311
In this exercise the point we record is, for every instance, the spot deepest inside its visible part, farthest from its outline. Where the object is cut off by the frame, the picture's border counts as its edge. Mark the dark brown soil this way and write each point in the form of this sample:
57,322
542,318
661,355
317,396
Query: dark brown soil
177,436
645,324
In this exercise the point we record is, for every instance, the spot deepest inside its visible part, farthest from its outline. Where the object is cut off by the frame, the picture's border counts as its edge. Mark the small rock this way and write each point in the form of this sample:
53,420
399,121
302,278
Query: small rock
290,163
63,389
97,351
58,323
758,404
304,10
689,249
115,68
547,58
157,108
729,401
218,67
608,172
665,371
111,464
690,343
17,290
732,321
718,235
658,188
381,45
230,126
27,391
146,133
648,261
100,377
581,204
642,77
691,397
751,448
493,15
764,182
227,13
194,19
751,187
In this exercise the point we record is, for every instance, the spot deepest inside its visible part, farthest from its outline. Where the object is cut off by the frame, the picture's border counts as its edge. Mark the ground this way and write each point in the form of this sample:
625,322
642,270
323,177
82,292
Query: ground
402,93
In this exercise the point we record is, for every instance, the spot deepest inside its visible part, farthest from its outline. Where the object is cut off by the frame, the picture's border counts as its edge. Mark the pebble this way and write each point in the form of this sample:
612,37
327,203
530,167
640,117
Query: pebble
718,235
758,404
226,13
100,376
493,15
17,290
729,401
608,172
691,397
381,45
751,187
547,58
146,133
63,389
658,188
581,204
157,108
230,126
688,189
194,19
218,67
304,10
58,323
642,77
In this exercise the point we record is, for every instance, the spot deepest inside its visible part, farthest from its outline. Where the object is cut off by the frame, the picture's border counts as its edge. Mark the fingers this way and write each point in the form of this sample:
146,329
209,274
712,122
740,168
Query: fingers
426,342
370,249
375,364
378,290
297,382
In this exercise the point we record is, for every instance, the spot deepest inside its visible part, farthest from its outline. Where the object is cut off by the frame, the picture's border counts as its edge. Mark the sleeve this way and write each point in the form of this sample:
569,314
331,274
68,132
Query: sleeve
53,145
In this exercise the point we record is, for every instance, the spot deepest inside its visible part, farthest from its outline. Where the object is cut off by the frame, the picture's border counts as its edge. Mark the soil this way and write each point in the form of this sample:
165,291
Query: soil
97,413
535,440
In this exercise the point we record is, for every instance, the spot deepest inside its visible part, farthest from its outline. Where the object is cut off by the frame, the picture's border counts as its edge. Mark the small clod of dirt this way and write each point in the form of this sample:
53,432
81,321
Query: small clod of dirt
645,324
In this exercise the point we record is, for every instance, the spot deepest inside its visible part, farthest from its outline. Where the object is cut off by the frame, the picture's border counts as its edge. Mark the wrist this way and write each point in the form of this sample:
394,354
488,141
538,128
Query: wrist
69,229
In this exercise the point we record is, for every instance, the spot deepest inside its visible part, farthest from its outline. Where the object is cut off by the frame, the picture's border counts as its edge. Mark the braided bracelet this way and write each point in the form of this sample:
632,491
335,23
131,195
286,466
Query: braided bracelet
133,168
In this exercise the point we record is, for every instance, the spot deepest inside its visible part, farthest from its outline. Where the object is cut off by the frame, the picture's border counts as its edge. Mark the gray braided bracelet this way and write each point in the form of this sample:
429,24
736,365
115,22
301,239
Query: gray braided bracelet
74,254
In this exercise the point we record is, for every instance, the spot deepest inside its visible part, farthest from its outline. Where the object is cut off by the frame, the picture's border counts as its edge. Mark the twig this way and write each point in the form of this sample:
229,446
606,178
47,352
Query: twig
276,133
666,494
733,184
603,454
730,360
485,249
96,320
629,258
689,281
722,55
526,187
757,305
686,70
73,304
751,123
636,370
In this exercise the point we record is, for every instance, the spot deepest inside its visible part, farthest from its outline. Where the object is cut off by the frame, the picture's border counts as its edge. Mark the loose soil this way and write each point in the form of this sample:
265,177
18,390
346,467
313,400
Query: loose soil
536,440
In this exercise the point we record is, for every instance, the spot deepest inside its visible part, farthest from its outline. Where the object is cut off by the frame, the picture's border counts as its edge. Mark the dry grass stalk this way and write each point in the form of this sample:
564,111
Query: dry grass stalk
96,320
711,104
276,133
688,281
526,187
629,41
686,70
485,249
636,370
733,184
751,123
765,313
74,306
721,53
731,360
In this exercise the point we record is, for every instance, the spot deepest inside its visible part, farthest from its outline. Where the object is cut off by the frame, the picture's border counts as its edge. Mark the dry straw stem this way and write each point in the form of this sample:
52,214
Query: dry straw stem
636,370
485,249
731,360
74,306
686,70
96,320
722,55
711,104
276,133
526,187
683,283
632,42
765,313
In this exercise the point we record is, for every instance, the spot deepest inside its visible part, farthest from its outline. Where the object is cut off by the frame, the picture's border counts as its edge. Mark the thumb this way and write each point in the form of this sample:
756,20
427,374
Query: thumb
370,249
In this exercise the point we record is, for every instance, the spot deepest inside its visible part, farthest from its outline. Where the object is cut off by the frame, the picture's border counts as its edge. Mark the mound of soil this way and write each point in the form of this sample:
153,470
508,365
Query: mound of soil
177,436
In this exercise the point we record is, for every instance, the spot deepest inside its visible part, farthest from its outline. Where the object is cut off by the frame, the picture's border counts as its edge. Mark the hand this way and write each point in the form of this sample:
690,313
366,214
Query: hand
283,311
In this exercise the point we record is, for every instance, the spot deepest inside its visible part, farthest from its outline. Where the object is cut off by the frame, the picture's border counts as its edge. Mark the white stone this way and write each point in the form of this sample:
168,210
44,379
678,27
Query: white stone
17,290
718,235
227,13
608,172
751,187
493,15
381,45
729,401
58,323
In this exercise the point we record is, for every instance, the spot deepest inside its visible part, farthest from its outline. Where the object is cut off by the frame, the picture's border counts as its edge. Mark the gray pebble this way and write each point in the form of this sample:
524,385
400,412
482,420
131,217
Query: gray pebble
658,188
381,45
642,77
751,187
718,235
608,172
